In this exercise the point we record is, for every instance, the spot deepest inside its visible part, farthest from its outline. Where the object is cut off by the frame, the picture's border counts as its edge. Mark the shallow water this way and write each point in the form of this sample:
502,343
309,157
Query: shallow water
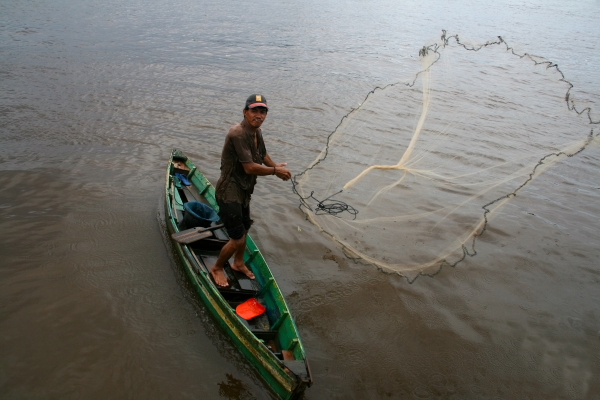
93,304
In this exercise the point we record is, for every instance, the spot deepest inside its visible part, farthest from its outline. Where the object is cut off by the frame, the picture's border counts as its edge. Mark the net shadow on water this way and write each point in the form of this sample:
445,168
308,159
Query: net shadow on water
484,128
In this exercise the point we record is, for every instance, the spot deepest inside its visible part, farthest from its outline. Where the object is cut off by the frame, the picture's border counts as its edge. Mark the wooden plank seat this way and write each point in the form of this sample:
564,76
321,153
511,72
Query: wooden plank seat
259,326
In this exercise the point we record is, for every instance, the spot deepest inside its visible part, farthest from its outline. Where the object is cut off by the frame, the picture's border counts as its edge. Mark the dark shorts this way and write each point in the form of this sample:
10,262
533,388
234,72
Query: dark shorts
236,218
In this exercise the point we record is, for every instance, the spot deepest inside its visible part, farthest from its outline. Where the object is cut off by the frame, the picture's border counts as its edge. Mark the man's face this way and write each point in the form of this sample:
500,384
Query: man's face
255,116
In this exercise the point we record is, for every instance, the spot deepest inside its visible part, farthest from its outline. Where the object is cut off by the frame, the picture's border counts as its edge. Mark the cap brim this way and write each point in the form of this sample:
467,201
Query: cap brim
254,105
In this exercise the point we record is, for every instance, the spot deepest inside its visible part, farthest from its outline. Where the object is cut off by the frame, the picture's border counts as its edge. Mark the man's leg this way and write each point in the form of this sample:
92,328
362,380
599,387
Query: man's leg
231,248
238,260
237,222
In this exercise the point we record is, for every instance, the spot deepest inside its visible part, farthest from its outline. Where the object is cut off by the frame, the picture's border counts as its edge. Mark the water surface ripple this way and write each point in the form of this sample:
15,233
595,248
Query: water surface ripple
94,95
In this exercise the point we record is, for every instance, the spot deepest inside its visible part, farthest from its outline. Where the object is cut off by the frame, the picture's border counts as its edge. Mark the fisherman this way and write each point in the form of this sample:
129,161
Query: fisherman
244,157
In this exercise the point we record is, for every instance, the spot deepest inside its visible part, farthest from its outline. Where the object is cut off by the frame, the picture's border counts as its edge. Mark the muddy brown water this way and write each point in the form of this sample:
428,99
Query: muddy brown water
92,301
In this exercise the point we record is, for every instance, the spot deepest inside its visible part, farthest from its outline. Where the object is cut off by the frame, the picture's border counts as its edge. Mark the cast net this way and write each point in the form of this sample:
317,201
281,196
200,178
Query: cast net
410,178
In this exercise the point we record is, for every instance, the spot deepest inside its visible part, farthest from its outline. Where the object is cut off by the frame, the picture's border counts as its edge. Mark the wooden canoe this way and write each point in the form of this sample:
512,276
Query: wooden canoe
270,342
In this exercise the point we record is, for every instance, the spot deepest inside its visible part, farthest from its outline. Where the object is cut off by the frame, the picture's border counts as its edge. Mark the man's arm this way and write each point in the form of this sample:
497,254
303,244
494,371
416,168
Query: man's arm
270,163
270,168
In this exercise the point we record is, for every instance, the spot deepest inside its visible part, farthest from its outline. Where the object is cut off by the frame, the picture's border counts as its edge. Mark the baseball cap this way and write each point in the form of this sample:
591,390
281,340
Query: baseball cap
256,100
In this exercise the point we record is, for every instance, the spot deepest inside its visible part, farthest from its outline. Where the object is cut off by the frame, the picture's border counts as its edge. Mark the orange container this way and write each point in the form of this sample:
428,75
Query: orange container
249,309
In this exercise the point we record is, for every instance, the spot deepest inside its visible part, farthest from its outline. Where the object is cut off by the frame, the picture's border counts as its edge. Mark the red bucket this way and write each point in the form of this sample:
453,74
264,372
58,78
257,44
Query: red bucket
249,309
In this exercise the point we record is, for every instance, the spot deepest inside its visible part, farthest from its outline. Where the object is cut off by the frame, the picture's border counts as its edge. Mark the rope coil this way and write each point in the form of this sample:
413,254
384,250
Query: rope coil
331,207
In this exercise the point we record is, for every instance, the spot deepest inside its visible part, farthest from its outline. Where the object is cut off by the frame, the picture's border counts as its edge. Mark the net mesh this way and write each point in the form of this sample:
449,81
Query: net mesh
410,178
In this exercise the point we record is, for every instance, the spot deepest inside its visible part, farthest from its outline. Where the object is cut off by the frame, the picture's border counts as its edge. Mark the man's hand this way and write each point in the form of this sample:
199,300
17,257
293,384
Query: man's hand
280,168
282,172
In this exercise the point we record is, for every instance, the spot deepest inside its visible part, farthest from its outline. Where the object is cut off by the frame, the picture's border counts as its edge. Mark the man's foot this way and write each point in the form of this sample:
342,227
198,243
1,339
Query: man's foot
244,270
219,276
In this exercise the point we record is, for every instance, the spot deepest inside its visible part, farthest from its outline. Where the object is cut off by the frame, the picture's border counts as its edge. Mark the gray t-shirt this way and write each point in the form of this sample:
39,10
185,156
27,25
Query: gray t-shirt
235,185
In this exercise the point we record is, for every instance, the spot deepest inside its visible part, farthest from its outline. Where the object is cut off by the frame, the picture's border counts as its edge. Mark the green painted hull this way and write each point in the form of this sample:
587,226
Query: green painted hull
277,373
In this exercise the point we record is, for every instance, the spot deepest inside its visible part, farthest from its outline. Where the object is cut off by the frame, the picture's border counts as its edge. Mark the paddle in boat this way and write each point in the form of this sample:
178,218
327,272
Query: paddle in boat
253,313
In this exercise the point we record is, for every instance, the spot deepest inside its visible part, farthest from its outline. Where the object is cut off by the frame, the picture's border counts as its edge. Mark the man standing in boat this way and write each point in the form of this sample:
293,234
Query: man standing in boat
244,157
